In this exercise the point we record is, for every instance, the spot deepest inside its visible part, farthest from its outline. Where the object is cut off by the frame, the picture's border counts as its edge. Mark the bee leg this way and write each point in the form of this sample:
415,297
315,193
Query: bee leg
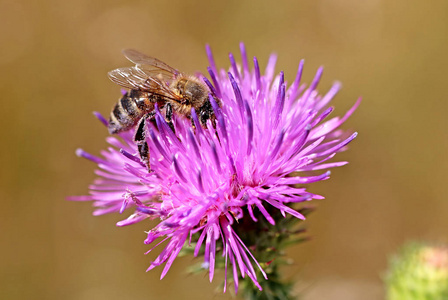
206,113
169,116
143,150
140,140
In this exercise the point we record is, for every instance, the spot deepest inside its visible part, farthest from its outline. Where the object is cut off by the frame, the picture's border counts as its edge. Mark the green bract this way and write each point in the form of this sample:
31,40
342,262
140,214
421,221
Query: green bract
419,272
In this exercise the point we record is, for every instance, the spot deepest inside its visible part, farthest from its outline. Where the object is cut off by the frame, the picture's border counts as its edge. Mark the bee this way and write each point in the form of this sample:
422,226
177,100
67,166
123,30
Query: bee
152,82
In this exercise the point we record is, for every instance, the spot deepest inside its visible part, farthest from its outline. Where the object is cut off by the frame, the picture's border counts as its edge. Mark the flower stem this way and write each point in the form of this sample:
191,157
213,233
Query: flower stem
268,243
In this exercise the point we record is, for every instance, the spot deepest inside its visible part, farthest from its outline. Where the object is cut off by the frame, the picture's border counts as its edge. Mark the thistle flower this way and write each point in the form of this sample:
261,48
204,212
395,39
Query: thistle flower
267,139
419,271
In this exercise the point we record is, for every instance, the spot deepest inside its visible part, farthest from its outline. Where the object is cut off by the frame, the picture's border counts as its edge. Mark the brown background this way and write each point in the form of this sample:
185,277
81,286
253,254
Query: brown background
54,57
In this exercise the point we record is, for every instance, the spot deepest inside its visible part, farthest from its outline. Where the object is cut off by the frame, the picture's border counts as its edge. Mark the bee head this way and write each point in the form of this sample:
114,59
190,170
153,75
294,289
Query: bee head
192,91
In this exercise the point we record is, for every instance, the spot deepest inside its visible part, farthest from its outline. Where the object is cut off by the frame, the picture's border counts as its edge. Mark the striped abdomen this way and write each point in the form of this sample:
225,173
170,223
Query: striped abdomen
129,110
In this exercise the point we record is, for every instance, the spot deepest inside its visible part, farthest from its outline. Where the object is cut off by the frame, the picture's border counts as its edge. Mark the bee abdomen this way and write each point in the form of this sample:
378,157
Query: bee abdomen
129,105
125,114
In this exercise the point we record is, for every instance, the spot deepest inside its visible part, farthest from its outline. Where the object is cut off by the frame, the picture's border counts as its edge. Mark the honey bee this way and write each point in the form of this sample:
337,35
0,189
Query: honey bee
149,82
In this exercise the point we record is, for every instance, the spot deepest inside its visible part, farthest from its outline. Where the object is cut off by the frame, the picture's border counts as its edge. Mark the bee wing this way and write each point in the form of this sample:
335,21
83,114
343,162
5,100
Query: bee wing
130,78
135,78
150,65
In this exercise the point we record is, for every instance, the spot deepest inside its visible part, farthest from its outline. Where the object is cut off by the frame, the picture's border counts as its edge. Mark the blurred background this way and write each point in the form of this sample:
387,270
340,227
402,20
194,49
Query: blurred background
54,57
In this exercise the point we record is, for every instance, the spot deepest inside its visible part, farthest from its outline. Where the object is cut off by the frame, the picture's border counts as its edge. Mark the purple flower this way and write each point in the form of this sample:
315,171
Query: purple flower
267,139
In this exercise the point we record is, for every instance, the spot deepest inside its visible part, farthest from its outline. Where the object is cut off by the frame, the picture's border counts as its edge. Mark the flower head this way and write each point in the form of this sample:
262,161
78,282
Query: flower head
418,271
267,139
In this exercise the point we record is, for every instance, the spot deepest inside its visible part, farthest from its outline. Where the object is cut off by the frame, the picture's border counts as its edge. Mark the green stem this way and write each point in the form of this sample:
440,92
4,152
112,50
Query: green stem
275,288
